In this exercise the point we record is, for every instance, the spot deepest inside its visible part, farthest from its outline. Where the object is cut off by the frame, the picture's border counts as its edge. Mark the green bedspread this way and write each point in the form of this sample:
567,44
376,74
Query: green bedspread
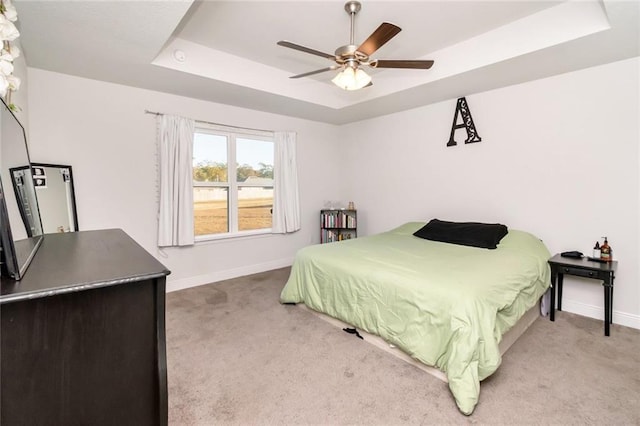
445,305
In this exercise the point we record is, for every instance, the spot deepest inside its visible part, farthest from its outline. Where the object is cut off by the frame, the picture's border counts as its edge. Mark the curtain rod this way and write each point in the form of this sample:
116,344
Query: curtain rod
146,111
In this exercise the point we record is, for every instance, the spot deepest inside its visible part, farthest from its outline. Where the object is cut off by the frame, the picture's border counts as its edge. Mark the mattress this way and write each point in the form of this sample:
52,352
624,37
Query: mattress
445,305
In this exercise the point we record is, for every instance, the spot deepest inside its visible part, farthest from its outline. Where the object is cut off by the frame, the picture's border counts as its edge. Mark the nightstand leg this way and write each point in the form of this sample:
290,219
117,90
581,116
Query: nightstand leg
552,308
607,308
611,304
560,279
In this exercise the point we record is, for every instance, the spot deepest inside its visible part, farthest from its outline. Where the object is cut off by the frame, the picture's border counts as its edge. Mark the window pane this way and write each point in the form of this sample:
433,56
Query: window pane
209,158
254,208
255,161
210,210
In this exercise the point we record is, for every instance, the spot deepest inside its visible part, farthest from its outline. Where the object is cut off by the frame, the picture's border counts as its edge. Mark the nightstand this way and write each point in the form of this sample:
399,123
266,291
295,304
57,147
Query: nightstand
604,271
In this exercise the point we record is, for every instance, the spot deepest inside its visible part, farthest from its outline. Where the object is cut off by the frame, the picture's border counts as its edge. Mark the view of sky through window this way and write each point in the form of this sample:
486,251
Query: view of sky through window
208,147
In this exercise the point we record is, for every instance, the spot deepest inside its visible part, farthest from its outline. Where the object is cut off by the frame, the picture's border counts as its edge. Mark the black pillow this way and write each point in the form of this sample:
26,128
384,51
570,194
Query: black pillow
474,234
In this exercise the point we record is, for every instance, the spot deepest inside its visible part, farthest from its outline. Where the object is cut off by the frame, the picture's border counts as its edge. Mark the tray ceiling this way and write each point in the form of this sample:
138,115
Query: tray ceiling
226,52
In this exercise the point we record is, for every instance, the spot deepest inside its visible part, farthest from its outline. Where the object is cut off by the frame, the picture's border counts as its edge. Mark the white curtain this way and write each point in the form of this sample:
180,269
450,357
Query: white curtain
286,201
175,149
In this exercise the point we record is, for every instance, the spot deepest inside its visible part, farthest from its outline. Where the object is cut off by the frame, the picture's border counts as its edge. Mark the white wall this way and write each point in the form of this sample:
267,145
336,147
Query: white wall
101,130
559,158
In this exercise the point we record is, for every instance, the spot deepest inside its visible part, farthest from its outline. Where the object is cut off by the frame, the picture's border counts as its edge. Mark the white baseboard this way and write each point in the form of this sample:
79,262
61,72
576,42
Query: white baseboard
597,312
174,285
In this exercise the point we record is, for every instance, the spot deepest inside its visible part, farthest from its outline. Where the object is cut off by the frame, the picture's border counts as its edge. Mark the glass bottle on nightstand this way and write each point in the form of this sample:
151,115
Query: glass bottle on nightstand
605,251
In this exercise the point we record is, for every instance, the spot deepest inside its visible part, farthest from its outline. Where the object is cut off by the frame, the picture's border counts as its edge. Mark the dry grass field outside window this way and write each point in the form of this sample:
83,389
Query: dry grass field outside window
211,216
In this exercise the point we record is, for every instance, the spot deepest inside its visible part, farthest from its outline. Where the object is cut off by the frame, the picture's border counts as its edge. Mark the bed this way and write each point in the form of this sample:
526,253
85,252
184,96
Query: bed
445,305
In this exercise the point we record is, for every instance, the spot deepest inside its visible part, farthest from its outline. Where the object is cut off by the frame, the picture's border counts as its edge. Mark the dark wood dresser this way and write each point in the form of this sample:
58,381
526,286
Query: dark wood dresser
83,335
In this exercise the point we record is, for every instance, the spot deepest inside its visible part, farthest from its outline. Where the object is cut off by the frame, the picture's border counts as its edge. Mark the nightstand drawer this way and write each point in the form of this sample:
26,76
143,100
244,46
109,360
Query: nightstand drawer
580,272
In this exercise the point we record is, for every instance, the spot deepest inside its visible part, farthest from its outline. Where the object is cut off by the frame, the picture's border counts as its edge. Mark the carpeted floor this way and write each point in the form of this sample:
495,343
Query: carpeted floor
237,356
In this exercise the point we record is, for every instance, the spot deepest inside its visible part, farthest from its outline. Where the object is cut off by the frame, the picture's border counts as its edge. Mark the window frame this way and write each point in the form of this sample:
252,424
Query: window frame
232,184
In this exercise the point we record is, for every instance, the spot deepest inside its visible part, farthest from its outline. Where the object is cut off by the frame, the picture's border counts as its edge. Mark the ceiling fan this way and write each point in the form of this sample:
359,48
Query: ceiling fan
350,58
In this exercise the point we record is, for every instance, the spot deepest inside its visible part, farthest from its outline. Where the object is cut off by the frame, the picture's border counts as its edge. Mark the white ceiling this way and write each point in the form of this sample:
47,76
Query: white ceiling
231,56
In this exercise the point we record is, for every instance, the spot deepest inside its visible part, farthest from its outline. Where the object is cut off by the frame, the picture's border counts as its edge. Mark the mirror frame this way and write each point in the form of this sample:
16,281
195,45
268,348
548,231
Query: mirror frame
73,190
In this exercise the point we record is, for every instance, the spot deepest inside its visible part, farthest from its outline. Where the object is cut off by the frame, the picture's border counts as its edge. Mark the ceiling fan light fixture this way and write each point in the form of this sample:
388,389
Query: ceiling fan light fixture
351,78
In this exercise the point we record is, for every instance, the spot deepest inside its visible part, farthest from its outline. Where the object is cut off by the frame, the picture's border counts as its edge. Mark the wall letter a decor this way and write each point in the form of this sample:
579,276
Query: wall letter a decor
462,108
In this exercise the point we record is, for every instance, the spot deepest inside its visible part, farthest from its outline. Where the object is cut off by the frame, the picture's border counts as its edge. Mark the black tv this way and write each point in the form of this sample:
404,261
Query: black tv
20,224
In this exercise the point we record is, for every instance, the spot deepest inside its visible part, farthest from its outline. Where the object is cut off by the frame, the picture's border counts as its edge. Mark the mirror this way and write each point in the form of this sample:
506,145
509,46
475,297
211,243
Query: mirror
56,197
24,198
20,225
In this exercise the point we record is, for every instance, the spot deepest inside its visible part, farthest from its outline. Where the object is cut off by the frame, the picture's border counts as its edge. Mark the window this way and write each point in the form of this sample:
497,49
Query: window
232,183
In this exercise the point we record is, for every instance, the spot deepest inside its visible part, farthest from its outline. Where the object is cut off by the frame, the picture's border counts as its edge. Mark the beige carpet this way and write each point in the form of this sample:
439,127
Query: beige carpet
236,356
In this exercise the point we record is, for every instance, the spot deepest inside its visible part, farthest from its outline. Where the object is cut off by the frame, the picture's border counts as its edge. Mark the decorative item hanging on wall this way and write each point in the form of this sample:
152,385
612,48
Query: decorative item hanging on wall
462,109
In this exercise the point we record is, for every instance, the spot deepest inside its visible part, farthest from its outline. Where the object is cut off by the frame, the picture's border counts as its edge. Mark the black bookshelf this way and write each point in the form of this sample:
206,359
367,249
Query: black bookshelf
338,225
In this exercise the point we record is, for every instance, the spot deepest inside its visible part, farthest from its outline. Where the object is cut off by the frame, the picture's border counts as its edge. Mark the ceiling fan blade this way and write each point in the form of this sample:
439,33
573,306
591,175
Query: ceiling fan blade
417,64
378,38
335,67
305,49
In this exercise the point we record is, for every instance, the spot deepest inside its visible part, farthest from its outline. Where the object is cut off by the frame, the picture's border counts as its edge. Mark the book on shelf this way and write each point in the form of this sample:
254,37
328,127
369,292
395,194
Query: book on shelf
338,219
